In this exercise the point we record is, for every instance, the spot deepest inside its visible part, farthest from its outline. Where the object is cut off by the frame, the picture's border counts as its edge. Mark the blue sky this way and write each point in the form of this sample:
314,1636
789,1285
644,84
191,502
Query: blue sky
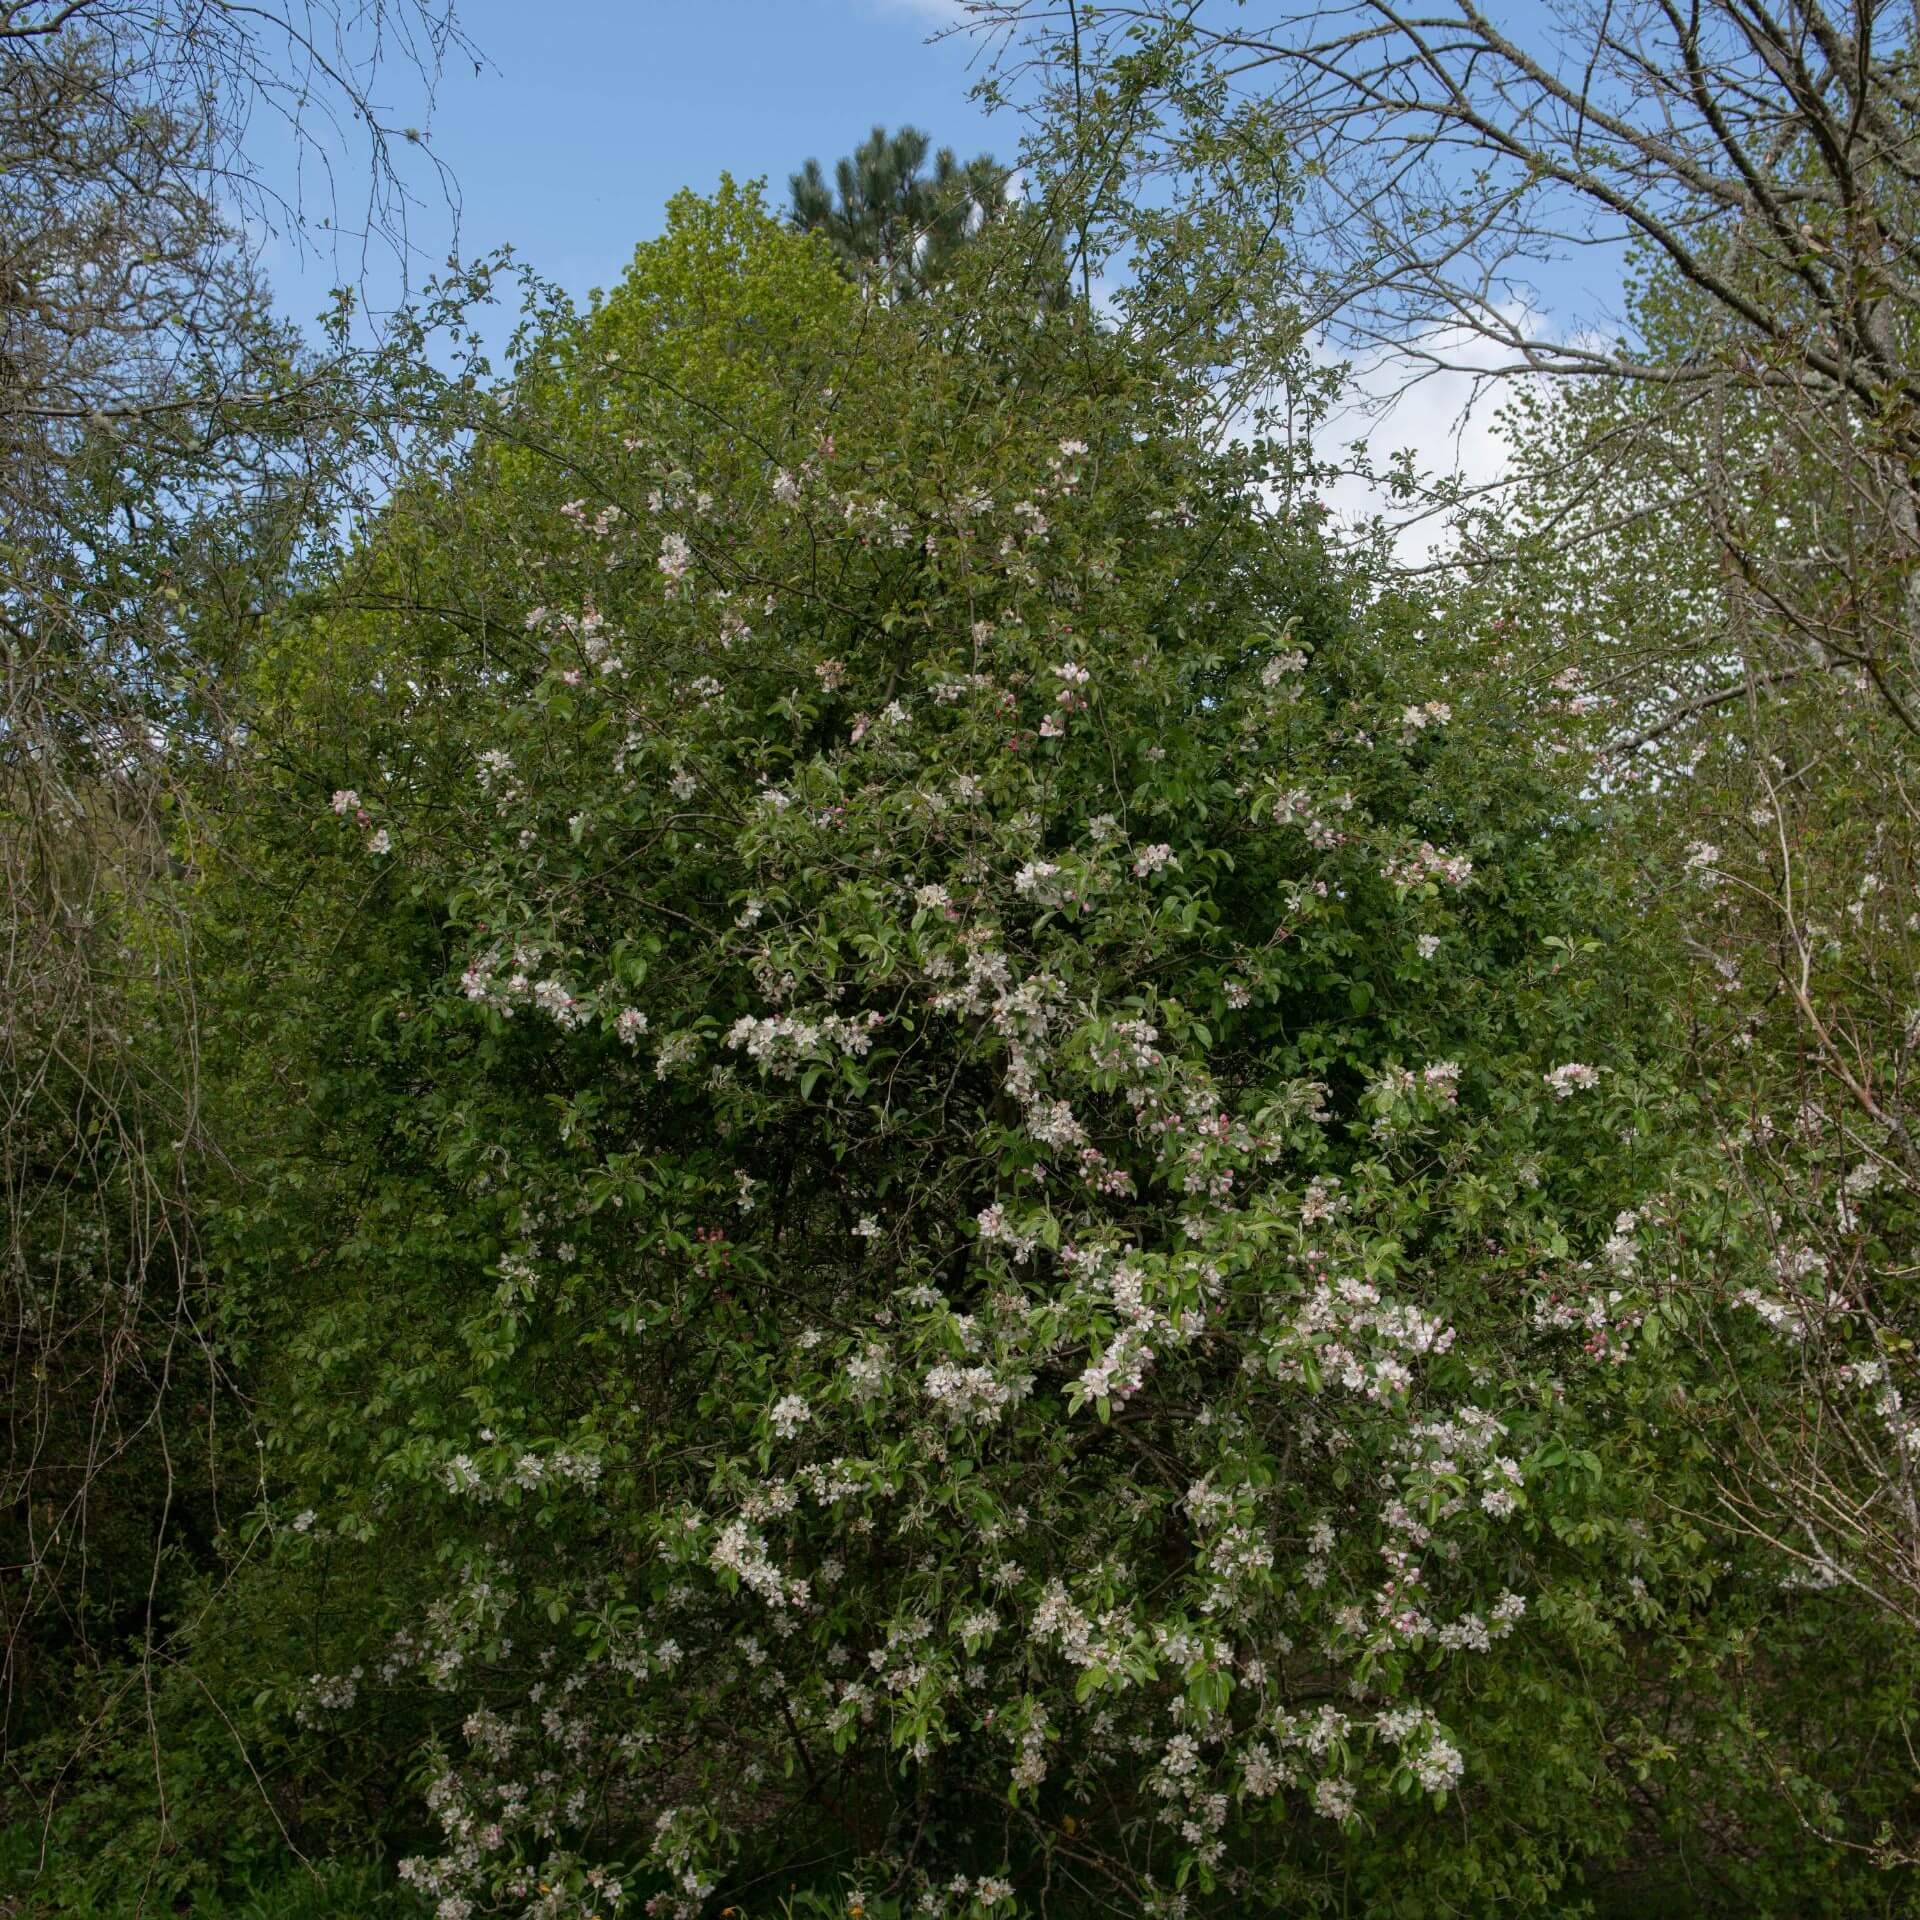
590,114
593,112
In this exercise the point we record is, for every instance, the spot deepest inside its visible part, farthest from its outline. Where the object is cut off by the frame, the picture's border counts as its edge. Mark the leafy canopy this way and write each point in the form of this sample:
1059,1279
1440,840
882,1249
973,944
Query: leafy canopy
935,1115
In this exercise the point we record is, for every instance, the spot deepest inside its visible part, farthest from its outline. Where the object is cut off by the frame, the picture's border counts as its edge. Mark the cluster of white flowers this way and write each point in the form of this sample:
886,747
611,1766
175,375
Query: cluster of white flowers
789,1415
559,1003
781,1044
1436,1762
601,524
346,800
328,1693
1035,881
676,1051
1703,862
997,1230
869,1370
1605,1316
1345,1334
1574,1077
741,1552
463,1475
1336,1799
973,1396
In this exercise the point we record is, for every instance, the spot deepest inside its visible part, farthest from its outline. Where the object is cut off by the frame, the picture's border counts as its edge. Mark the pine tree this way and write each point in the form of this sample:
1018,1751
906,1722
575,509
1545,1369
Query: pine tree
890,223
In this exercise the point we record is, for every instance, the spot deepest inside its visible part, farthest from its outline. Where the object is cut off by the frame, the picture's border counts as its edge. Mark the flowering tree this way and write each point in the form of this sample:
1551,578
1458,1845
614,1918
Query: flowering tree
946,1154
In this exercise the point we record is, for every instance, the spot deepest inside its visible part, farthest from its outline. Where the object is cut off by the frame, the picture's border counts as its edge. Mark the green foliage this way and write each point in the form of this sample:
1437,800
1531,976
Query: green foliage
957,1181
906,1210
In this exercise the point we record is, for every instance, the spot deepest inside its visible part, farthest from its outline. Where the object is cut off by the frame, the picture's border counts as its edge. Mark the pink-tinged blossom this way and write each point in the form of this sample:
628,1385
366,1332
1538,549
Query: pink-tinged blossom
1150,860
1440,1766
1427,862
675,558
1121,1371
345,800
552,998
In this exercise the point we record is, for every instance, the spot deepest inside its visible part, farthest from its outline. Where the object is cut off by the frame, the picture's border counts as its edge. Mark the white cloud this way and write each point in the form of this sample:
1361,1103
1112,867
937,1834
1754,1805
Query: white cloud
1437,397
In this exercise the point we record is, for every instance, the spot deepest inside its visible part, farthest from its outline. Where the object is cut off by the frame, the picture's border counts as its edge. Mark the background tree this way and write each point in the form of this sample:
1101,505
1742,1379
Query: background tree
169,455
891,224
1767,793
